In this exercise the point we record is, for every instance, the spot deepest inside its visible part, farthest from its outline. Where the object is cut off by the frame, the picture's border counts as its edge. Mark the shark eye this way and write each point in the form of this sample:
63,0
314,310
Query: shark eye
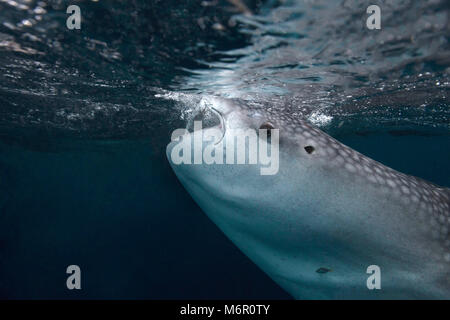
309,149
268,126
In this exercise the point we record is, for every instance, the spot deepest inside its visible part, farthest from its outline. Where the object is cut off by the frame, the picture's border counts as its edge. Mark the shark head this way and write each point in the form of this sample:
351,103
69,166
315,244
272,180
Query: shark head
246,144
313,213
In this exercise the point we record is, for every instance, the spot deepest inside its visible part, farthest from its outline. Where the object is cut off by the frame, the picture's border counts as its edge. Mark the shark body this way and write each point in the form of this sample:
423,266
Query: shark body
328,214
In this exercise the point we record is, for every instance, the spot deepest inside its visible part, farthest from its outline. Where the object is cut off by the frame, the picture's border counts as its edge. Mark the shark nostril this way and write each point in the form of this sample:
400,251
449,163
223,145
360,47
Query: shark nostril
309,149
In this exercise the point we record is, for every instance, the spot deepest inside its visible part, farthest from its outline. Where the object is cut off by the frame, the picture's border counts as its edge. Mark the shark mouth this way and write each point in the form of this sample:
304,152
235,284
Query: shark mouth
209,116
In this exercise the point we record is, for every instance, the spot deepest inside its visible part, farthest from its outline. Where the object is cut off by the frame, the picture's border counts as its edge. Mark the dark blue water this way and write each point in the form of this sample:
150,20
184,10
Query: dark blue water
116,210
85,117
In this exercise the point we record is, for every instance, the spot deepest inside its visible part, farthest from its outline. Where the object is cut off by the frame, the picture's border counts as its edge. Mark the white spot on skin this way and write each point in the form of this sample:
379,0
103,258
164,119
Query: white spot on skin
391,183
350,167
331,152
373,179
405,189
339,160
381,180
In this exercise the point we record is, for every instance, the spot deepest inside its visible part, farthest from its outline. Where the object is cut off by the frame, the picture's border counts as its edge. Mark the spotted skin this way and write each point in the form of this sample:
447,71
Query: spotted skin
430,202
328,207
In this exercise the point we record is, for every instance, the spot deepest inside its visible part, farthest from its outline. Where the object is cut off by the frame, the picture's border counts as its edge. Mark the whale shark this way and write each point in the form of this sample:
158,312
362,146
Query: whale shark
327,215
